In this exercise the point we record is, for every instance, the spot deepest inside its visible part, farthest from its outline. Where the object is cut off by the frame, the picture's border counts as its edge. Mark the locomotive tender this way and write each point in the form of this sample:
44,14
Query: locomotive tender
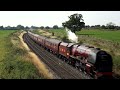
93,61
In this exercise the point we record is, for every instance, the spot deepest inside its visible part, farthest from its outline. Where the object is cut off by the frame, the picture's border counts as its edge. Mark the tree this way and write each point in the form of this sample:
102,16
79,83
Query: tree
55,27
117,27
87,26
97,26
92,26
103,27
34,27
1,27
47,27
75,22
20,27
42,27
110,25
8,27
27,28
13,28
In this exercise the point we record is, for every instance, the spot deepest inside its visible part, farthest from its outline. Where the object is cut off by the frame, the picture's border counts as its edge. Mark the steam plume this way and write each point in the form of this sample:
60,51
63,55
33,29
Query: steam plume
71,36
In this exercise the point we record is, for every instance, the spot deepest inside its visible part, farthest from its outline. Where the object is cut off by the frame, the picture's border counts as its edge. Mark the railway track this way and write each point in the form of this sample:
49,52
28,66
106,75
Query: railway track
62,69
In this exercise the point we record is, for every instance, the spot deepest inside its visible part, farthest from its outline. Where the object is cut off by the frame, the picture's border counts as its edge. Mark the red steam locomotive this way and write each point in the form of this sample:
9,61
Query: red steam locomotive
93,61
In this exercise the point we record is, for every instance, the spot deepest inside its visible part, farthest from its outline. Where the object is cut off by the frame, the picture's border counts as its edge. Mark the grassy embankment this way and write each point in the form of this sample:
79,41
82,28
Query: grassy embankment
15,63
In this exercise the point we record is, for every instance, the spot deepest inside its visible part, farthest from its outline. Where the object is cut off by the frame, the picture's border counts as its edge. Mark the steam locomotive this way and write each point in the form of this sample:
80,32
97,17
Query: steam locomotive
93,61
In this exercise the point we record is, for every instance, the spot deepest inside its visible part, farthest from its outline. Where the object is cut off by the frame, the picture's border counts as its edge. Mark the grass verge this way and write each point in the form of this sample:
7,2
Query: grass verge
14,64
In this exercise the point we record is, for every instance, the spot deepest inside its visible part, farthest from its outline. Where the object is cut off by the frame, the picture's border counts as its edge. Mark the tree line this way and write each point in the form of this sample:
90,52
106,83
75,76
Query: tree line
21,27
108,26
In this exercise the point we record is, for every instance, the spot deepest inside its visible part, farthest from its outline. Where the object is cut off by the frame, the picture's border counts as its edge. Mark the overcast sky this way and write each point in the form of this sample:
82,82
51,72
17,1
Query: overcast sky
50,18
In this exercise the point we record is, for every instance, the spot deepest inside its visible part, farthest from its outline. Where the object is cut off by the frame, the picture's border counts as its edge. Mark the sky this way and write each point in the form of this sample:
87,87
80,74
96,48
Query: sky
51,18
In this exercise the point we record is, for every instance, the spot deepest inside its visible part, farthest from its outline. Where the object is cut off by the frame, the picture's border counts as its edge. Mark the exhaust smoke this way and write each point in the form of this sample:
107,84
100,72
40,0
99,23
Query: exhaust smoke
71,36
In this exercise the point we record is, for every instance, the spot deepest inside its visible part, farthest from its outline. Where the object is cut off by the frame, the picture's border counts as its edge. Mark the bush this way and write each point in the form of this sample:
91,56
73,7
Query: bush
65,39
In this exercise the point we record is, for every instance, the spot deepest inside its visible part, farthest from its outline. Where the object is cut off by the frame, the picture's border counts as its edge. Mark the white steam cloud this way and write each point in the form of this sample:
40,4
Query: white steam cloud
71,36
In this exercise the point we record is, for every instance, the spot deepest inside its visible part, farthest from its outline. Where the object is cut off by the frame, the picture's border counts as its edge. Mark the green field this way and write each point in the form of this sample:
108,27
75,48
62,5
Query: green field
12,62
58,32
103,34
3,37
108,35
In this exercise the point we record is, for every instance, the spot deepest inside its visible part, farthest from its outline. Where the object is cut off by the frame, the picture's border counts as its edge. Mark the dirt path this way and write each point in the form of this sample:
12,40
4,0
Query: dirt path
36,61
